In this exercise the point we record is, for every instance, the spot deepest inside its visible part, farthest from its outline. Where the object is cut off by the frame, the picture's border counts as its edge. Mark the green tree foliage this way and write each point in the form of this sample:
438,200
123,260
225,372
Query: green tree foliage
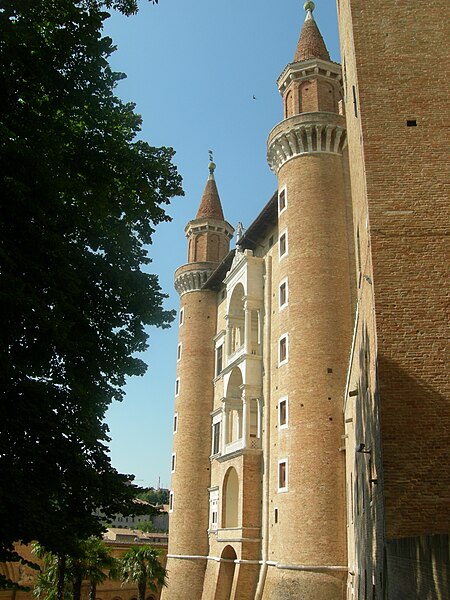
140,564
154,496
145,526
79,199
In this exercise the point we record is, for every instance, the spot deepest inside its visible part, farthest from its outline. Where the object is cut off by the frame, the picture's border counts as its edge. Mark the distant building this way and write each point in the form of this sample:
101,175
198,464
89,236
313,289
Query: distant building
160,520
312,405
118,536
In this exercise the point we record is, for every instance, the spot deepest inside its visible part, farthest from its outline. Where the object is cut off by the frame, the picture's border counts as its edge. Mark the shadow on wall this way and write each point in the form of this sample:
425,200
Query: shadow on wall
413,481
415,417
416,421
367,496
418,568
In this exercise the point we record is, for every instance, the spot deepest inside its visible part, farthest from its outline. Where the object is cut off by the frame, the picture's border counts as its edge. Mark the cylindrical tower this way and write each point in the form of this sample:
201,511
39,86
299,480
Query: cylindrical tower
312,332
208,242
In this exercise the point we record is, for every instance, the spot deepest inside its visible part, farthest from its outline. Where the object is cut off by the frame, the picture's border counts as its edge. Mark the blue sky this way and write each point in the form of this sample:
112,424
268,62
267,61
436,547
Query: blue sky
192,69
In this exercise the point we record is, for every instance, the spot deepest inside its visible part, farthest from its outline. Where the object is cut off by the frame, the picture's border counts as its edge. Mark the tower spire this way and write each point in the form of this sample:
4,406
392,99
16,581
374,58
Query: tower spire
310,43
210,205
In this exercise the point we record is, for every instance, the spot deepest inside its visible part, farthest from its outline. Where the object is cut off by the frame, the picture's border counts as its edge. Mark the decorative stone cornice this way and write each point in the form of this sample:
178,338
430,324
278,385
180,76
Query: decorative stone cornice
203,225
307,133
308,69
192,277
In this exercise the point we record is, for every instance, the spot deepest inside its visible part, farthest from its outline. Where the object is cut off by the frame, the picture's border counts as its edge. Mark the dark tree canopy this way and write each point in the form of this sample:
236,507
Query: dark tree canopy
79,199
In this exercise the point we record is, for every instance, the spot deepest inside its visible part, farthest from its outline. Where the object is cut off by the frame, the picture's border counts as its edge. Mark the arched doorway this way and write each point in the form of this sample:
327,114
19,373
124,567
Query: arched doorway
226,574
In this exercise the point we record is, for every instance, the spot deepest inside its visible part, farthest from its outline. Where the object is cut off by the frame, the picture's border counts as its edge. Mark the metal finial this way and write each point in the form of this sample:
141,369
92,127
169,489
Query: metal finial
309,6
211,165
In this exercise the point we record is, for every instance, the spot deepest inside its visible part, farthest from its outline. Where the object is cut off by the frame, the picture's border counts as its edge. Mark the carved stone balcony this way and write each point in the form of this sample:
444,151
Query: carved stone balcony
192,276
307,133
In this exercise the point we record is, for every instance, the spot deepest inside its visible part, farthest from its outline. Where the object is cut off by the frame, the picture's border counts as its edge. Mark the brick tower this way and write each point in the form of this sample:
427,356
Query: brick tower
208,242
306,151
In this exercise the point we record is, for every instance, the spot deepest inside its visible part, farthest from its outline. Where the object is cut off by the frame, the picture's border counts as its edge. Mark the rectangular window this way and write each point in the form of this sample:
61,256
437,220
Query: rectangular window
179,352
275,515
175,422
355,102
283,245
283,413
177,387
283,350
283,475
219,359
174,462
282,200
213,508
171,502
216,438
283,293
181,317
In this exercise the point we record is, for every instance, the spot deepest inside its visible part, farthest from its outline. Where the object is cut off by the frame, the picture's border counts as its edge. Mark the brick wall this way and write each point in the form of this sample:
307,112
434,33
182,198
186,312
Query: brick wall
397,71
192,444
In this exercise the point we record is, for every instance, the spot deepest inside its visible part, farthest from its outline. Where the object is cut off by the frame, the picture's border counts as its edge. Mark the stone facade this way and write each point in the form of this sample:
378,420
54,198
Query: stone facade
312,399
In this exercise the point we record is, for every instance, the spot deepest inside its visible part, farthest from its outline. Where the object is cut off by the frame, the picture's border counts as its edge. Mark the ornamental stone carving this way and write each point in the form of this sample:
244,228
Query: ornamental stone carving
189,281
307,133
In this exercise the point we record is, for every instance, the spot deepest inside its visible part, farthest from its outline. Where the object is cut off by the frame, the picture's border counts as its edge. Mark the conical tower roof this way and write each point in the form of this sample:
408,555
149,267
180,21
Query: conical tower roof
210,205
310,44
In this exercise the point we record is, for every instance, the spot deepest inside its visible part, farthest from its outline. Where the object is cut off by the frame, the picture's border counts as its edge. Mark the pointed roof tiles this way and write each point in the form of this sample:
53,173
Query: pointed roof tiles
310,44
210,205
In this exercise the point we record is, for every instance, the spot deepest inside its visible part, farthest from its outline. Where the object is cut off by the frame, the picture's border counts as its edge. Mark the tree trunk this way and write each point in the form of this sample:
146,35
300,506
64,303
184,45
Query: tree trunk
92,590
77,581
60,577
142,587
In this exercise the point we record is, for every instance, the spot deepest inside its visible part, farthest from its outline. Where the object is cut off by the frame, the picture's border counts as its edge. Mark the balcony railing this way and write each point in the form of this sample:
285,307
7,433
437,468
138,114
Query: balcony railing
234,446
254,443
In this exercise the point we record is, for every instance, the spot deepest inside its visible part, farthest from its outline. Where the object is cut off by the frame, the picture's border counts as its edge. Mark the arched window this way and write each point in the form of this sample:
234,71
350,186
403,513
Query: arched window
288,105
236,316
230,508
233,415
213,248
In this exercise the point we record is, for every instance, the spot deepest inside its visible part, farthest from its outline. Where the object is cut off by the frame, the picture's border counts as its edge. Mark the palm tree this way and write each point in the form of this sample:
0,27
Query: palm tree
51,581
140,565
62,576
97,564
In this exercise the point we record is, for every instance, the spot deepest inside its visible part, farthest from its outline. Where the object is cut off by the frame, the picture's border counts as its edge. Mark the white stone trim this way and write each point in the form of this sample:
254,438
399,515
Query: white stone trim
280,191
286,424
213,508
270,563
284,233
286,360
285,488
175,423
285,282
